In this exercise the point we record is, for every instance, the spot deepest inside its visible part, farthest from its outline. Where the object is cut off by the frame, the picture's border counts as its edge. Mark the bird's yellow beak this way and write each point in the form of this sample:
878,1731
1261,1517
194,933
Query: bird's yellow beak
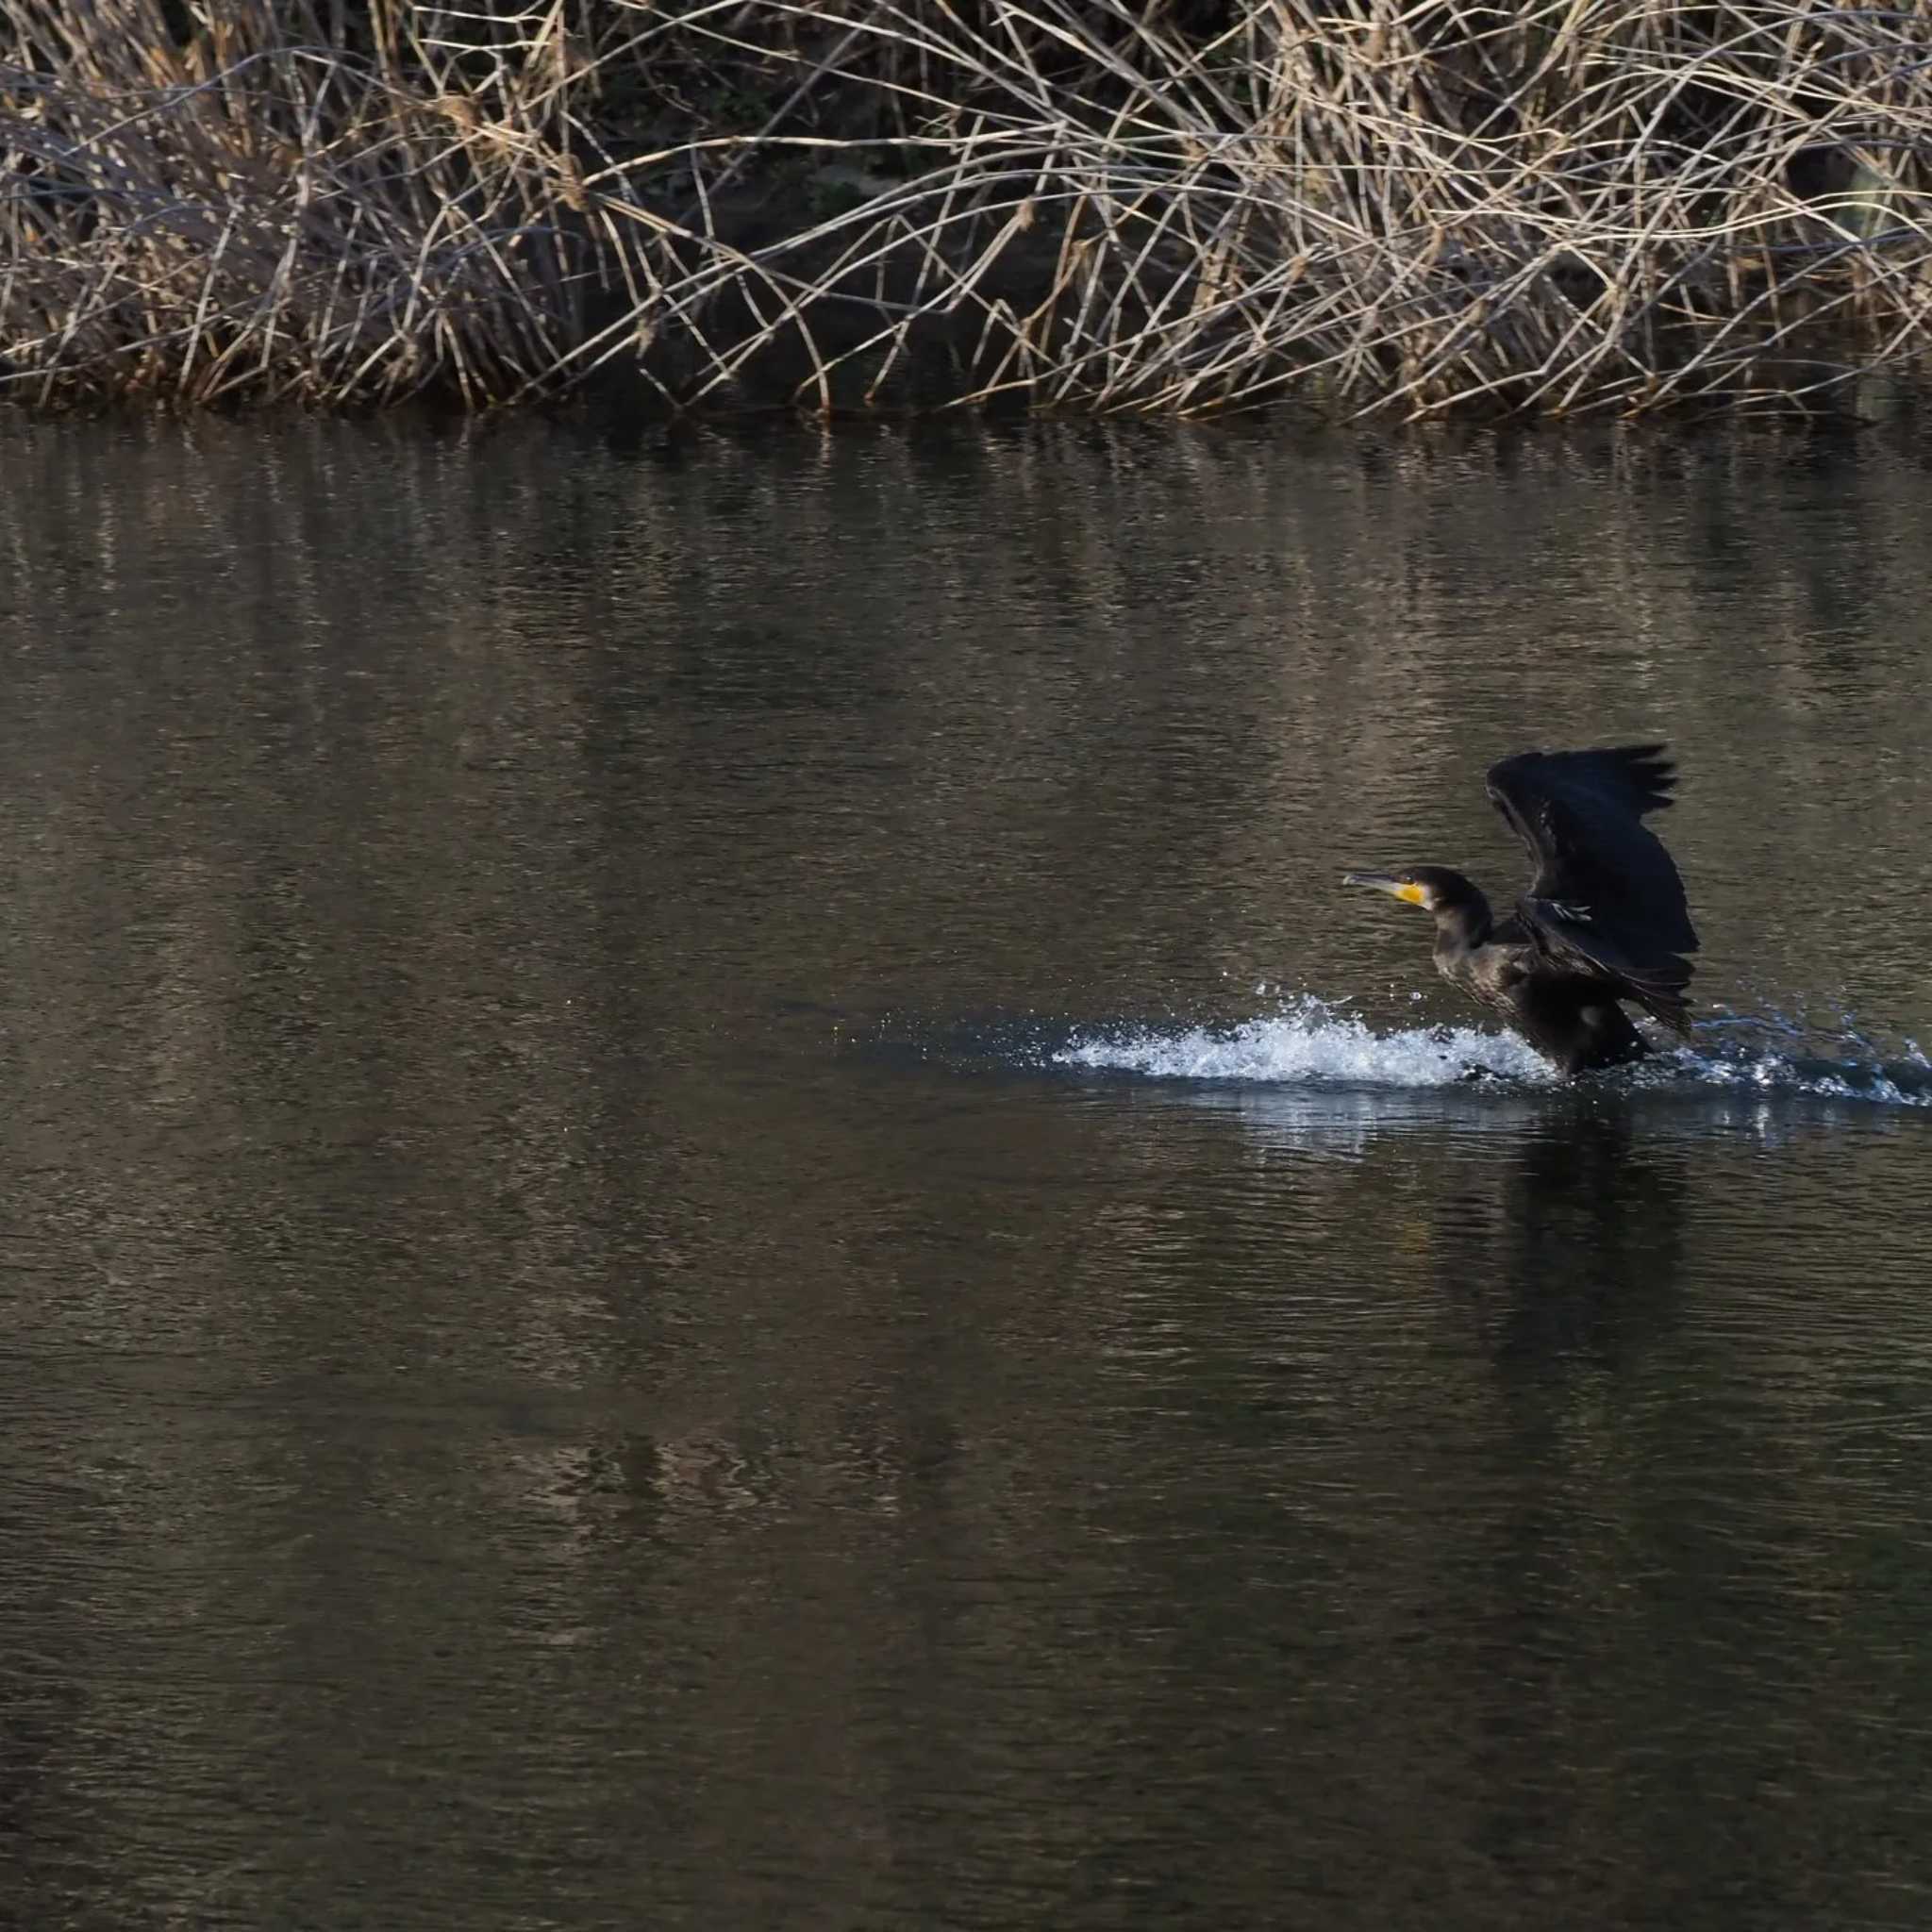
1384,882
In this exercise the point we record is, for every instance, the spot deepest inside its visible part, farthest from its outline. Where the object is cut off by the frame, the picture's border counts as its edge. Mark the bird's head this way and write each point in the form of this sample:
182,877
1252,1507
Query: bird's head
1433,888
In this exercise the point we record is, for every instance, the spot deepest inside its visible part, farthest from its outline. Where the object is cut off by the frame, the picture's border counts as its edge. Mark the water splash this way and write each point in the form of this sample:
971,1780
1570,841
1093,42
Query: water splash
1309,1041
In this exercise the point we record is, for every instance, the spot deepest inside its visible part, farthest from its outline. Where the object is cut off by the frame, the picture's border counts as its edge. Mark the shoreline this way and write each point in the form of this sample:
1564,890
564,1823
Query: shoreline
1195,212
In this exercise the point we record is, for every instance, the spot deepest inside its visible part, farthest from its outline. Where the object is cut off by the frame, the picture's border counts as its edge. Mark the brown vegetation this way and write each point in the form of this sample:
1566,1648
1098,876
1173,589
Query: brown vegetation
1184,206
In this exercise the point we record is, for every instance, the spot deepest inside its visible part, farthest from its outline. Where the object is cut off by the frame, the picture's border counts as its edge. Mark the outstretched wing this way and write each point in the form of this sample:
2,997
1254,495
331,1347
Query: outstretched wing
1606,899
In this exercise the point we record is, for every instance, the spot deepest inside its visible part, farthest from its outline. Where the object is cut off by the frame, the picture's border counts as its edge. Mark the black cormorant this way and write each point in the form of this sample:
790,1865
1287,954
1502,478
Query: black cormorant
1604,919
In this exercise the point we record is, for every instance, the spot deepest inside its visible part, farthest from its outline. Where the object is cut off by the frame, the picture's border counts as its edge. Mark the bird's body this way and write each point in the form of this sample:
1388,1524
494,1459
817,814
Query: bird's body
1568,1017
1603,921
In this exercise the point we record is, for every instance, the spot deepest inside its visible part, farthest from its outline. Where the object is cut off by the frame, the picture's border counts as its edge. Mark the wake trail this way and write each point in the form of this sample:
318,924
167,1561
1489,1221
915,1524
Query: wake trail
1308,1041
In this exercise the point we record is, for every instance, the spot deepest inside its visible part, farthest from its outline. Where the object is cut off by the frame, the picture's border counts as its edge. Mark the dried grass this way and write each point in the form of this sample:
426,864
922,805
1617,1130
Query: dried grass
1186,205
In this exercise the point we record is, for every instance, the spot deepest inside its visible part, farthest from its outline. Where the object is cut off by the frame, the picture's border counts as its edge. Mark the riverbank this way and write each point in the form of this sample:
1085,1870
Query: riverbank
1187,208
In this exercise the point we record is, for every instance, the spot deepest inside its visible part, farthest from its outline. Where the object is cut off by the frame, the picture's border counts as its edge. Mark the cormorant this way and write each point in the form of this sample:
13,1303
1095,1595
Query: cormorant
1604,919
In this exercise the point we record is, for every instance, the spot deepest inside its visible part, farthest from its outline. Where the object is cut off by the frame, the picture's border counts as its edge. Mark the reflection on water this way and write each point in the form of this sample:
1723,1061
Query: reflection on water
659,1264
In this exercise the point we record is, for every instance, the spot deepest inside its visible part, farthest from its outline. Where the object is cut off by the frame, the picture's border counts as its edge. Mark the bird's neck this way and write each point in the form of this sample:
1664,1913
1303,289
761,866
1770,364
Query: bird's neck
1464,925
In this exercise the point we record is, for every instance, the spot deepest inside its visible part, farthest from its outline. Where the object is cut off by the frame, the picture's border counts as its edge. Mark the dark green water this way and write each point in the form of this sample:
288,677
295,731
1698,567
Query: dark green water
618,1307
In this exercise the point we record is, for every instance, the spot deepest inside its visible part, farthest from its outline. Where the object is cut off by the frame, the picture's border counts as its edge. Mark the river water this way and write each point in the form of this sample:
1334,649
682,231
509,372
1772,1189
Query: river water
711,1215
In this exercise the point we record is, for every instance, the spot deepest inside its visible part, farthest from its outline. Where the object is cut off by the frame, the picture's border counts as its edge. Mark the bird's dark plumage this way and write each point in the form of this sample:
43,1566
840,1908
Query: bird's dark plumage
1604,919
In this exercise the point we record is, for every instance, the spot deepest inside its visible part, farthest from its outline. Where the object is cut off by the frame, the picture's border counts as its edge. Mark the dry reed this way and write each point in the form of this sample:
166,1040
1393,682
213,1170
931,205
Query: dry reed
1182,206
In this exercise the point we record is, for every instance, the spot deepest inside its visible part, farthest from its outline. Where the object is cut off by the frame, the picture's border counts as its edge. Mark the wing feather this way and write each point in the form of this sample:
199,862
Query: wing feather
1606,899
